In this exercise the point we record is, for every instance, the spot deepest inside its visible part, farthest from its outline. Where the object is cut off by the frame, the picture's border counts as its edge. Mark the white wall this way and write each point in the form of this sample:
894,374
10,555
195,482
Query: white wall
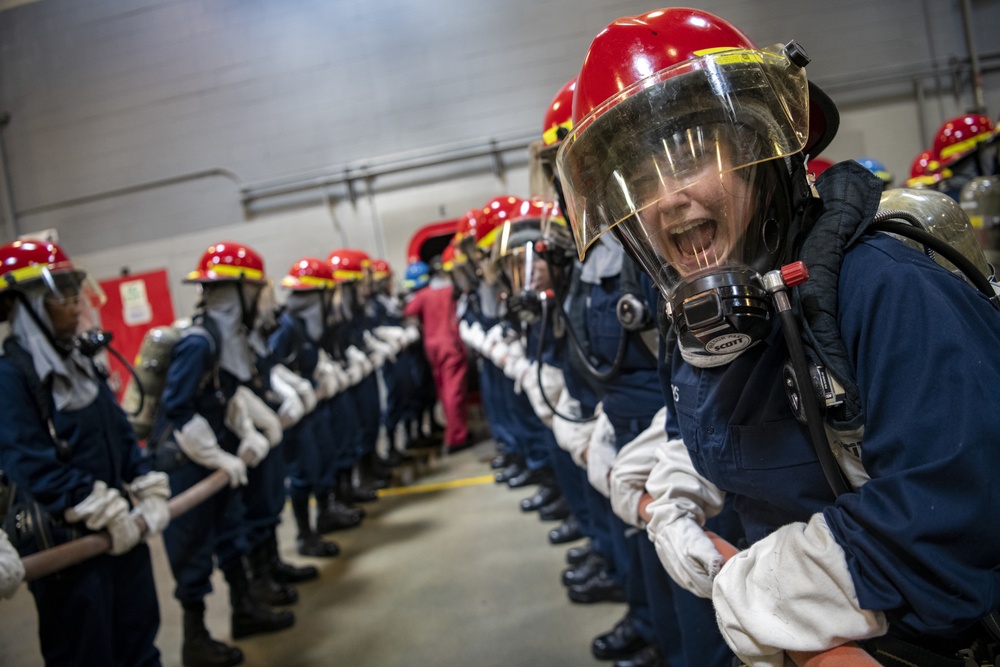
105,95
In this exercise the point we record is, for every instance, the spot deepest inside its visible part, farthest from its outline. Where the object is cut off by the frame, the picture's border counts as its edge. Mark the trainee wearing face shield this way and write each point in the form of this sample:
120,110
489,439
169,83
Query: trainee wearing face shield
523,270
686,167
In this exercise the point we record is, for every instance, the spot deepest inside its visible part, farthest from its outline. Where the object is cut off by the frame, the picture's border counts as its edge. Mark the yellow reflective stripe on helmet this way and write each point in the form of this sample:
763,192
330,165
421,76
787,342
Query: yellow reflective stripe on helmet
22,274
448,266
487,241
733,55
963,146
344,274
312,281
551,135
228,271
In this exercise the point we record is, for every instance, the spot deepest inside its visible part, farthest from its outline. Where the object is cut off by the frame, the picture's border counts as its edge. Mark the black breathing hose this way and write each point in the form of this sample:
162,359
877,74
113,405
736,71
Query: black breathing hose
885,223
616,366
807,394
135,376
541,387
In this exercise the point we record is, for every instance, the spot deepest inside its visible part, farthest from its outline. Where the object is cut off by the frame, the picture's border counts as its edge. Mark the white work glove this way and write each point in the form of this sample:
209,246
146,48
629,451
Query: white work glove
553,383
380,346
393,335
356,357
197,440
477,337
631,470
412,334
106,509
682,501
11,568
291,410
355,373
254,445
151,492
498,353
791,591
601,455
341,375
301,385
325,376
571,436
263,417
464,331
517,369
491,339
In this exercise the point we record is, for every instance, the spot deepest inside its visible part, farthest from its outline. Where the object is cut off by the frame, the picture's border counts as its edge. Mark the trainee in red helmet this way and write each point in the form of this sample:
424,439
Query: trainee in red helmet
231,262
690,142
41,271
351,271
964,148
924,171
959,137
74,466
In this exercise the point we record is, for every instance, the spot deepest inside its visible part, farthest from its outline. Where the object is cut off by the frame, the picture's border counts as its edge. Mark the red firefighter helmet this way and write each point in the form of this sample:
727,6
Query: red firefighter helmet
468,223
309,273
228,261
559,115
958,137
494,213
348,264
448,257
380,269
644,45
24,262
652,84
922,171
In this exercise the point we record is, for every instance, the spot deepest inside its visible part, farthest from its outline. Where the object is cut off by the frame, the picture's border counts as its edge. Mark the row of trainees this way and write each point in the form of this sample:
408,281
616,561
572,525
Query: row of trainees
719,344
238,380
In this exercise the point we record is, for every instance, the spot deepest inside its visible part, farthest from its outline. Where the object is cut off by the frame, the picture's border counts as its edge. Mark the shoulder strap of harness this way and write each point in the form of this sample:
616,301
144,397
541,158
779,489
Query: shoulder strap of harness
41,392
851,196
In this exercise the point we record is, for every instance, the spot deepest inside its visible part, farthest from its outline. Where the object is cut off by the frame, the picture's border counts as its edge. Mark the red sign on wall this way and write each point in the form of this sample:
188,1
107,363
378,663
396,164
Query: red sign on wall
135,304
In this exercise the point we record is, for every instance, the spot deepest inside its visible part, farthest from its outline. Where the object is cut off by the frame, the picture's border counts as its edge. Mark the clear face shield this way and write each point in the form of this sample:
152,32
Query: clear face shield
266,317
464,275
335,308
72,300
523,270
687,167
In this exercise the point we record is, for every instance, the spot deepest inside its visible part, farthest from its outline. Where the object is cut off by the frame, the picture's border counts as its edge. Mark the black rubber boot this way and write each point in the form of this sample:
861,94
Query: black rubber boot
368,481
199,649
286,573
309,542
263,587
249,616
332,514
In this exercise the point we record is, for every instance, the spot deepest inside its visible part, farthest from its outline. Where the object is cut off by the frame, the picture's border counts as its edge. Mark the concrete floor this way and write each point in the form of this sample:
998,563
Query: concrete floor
453,576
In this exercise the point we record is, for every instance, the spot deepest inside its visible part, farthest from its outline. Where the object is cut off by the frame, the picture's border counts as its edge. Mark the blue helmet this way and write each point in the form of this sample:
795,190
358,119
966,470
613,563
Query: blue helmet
418,275
877,168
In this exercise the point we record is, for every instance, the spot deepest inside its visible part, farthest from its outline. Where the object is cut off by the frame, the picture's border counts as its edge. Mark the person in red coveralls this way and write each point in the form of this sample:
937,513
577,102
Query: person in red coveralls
435,308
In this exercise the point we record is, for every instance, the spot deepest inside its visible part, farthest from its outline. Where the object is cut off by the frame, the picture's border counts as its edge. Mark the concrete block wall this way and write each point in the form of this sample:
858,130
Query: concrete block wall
104,95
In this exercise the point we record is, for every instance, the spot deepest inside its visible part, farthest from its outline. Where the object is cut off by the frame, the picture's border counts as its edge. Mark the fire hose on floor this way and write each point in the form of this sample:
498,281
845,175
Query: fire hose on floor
76,551
846,655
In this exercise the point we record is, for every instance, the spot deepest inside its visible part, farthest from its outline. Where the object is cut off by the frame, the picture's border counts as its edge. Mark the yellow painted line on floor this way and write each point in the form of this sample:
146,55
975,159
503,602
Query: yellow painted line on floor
436,486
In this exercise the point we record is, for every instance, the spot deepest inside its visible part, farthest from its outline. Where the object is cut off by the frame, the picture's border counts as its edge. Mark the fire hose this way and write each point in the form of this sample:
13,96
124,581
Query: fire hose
845,655
76,551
